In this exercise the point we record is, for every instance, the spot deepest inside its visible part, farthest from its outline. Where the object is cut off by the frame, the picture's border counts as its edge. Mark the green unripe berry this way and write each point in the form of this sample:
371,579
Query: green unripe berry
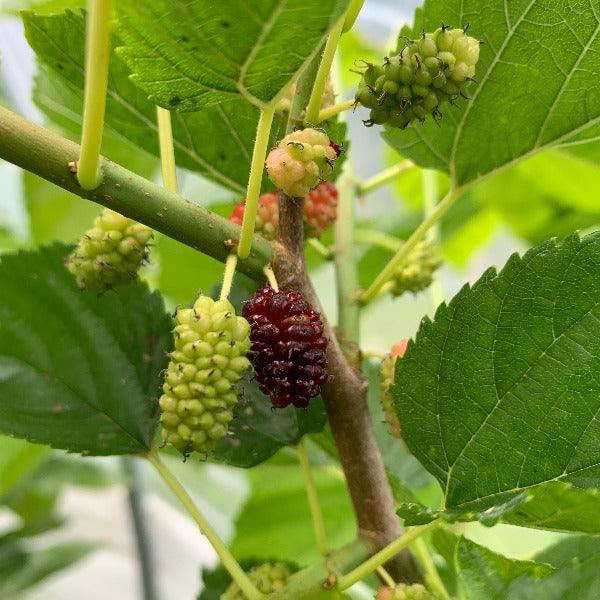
269,578
200,380
110,253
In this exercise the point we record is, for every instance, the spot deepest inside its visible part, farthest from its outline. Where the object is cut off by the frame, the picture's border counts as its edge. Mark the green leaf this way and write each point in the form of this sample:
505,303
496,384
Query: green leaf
577,575
485,575
278,511
534,90
21,569
555,506
78,372
192,55
258,431
59,93
499,394
18,459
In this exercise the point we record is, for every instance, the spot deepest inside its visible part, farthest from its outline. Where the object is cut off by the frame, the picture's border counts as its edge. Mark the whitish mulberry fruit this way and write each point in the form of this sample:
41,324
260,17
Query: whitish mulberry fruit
199,390
388,372
268,578
288,346
416,273
267,215
436,68
109,253
405,592
301,160
320,211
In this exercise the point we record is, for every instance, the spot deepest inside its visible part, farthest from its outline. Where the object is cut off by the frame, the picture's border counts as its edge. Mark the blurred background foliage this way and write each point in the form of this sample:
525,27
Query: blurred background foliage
263,512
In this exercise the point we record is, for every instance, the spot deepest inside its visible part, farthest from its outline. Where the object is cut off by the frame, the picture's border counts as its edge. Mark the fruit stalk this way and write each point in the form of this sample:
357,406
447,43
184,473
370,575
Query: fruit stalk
385,176
97,55
336,109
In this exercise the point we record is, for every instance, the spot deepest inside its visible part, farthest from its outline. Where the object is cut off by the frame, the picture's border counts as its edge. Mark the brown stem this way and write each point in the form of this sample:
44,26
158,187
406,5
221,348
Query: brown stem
346,405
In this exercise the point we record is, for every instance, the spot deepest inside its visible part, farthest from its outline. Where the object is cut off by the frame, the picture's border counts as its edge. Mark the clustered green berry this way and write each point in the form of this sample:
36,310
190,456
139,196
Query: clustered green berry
436,68
199,390
405,592
268,578
301,160
109,253
416,273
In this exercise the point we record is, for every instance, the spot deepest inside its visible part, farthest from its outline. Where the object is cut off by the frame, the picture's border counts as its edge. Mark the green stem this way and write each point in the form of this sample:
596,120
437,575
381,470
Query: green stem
227,559
384,555
351,14
336,109
314,103
310,582
379,238
259,153
322,250
430,195
270,275
384,177
386,577
228,275
97,55
346,271
432,577
48,155
401,255
139,522
167,152
313,500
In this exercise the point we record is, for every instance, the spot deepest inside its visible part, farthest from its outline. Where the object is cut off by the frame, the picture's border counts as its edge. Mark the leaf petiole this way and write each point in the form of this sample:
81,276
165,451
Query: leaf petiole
255,179
167,152
402,254
229,273
97,55
228,560
384,177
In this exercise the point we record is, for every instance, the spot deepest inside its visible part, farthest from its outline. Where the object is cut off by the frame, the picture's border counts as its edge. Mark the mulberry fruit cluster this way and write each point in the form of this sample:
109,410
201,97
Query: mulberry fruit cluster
109,253
436,68
388,372
405,592
320,211
268,578
301,160
199,390
288,346
417,272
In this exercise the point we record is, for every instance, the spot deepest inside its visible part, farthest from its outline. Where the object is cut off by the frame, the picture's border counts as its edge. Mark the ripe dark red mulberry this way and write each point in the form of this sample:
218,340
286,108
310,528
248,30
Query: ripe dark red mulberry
288,346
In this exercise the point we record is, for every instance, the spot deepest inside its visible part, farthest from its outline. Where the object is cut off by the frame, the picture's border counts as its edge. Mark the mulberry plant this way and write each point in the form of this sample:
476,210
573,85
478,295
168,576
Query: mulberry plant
250,361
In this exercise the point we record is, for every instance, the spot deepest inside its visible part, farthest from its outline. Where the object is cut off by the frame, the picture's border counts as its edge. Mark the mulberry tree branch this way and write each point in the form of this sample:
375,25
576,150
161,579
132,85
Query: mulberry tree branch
48,155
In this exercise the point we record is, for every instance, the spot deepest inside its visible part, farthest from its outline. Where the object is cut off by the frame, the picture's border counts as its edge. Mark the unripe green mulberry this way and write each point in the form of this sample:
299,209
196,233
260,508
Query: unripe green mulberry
199,390
434,69
388,373
268,578
109,253
416,273
301,160
405,592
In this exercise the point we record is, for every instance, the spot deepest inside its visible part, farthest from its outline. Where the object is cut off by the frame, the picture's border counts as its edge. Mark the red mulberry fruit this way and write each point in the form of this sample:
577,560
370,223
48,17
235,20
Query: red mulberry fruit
267,216
320,212
388,371
288,346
